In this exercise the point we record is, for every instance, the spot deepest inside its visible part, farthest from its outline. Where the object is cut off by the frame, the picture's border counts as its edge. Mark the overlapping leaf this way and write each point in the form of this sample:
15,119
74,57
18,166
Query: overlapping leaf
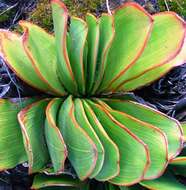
152,136
84,123
42,181
163,122
11,142
55,142
110,166
82,151
60,18
130,171
97,56
160,49
45,66
127,44
76,42
184,130
12,50
166,182
119,141
31,120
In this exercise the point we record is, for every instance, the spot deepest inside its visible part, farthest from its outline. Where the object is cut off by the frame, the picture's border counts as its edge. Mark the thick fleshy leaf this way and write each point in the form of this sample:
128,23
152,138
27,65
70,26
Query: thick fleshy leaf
178,165
168,125
184,130
12,51
55,143
60,18
179,161
93,45
161,48
156,73
152,136
131,21
32,120
59,188
124,188
11,141
166,182
85,60
106,36
134,187
109,186
84,123
41,181
110,166
134,154
76,44
82,151
40,48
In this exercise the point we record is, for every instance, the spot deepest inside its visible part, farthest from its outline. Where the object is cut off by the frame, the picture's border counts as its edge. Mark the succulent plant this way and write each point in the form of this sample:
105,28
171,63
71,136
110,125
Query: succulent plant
78,131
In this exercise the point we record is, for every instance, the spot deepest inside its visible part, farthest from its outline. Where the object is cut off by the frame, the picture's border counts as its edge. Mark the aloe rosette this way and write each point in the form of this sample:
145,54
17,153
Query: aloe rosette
109,139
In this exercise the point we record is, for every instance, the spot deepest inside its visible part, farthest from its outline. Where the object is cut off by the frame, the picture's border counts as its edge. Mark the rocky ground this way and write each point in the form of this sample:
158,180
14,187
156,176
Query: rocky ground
167,94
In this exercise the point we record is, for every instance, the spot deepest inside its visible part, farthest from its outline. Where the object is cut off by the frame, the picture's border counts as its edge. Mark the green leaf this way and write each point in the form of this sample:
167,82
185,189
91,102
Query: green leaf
32,119
60,18
152,136
82,151
156,73
55,143
132,29
109,186
168,125
40,48
110,166
12,50
93,45
85,60
58,188
134,187
76,44
107,32
178,165
11,140
166,182
184,130
82,120
179,161
160,50
63,181
134,154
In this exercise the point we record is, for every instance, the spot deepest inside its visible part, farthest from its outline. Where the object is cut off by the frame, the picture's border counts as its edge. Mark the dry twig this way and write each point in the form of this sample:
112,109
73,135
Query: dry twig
108,8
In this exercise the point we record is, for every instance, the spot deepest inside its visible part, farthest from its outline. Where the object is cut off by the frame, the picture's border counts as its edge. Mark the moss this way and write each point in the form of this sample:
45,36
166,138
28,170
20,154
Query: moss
42,14
6,15
81,7
178,6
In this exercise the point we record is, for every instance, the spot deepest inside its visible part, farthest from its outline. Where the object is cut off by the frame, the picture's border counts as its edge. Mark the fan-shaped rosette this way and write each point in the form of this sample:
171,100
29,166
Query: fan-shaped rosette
118,52
120,141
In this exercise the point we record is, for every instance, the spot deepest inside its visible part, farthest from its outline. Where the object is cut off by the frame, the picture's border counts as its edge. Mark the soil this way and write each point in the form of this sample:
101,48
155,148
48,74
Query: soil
11,11
167,94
